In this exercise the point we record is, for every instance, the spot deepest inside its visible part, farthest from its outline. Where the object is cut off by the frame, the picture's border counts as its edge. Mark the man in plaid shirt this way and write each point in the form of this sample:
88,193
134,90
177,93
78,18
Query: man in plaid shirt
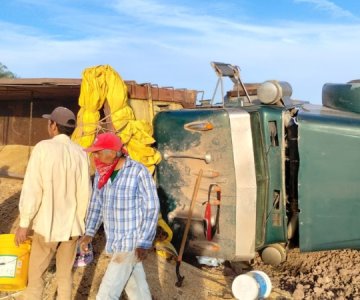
125,200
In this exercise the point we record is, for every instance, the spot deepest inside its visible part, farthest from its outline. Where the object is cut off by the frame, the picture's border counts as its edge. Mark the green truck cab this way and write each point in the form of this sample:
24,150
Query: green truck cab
274,171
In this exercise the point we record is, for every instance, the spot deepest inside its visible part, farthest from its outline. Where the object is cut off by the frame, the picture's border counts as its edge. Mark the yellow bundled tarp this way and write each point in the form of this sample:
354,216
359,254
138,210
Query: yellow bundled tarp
163,239
92,97
103,83
138,137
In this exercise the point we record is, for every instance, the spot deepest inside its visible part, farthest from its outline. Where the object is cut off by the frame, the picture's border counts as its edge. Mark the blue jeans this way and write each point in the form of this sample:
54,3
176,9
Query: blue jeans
124,270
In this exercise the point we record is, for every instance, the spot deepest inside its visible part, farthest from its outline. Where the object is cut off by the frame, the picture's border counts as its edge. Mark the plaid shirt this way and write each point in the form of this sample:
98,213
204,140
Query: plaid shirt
128,206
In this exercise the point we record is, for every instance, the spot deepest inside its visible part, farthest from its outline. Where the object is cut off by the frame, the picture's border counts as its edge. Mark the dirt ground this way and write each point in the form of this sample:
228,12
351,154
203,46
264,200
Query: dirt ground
318,275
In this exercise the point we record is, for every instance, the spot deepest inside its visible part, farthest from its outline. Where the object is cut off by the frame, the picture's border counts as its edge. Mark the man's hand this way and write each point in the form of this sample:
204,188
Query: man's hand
141,253
21,235
84,243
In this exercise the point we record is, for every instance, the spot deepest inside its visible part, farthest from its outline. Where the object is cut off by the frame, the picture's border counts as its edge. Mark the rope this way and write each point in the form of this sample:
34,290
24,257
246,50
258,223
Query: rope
99,126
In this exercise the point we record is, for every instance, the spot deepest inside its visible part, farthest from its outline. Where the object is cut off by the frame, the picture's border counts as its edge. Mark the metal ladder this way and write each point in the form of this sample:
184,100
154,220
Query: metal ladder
231,71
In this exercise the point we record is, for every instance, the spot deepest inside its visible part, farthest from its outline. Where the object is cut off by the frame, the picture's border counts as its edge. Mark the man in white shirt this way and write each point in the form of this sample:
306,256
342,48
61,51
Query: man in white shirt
53,203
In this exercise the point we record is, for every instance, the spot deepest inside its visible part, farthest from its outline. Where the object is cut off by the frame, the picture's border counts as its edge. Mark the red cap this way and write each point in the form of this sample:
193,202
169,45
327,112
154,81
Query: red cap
106,140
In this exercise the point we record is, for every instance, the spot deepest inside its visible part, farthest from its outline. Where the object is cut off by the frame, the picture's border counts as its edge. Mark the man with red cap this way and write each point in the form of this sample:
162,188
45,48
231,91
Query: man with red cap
53,203
125,200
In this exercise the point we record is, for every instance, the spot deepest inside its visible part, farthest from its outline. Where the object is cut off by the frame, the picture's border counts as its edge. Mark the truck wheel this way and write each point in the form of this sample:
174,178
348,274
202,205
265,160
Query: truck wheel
274,254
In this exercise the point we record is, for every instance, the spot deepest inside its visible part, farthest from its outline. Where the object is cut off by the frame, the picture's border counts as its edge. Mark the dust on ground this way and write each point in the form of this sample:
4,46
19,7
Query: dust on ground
317,275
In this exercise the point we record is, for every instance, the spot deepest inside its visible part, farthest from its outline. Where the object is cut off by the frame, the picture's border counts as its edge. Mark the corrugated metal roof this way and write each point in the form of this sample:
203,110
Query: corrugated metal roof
56,89
39,89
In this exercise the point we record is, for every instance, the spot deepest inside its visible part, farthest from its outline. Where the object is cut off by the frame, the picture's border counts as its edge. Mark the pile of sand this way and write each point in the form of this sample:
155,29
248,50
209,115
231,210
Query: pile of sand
14,159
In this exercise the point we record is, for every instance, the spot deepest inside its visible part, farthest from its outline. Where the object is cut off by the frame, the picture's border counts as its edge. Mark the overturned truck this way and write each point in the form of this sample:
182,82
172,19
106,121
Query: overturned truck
273,171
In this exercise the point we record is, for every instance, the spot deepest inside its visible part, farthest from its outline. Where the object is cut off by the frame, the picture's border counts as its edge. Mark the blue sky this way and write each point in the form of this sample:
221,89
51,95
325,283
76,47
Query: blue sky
171,43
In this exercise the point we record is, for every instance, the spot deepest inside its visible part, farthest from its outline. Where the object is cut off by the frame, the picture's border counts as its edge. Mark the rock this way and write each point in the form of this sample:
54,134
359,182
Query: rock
299,292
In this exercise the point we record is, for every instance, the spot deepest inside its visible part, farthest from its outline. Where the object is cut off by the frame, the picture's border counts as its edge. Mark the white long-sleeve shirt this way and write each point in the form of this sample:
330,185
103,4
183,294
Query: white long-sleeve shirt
56,189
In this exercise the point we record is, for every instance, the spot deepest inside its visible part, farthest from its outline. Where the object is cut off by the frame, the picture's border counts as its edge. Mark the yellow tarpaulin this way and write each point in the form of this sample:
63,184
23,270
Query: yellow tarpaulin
103,83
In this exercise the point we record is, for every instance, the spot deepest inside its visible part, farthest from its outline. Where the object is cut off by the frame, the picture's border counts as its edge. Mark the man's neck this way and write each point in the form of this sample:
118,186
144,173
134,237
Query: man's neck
120,163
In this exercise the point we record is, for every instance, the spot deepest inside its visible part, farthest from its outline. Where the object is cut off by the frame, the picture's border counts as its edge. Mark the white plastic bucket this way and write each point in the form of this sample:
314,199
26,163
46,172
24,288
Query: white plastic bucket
252,286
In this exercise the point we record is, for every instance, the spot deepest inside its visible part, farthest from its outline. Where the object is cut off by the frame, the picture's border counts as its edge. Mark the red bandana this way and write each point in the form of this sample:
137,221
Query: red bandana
104,170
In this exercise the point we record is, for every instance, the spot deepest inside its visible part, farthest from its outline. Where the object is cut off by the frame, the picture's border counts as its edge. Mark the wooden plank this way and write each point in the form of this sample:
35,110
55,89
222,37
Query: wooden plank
250,87
146,91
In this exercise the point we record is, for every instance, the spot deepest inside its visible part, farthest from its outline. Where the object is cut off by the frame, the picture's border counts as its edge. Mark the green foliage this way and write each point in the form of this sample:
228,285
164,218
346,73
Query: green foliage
5,72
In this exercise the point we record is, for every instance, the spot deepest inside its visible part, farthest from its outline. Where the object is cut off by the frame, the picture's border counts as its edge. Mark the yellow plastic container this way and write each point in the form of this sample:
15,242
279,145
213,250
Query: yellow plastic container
14,263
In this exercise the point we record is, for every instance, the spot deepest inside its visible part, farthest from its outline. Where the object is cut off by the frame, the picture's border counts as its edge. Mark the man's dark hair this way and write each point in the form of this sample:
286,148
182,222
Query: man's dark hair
64,129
